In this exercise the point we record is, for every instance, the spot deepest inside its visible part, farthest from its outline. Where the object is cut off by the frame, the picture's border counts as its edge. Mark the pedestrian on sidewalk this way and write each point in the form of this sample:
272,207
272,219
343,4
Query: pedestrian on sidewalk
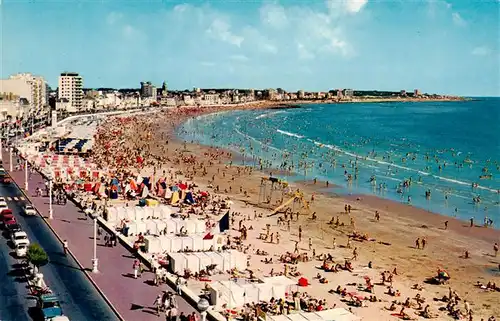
65,247
99,232
178,285
173,314
135,266
157,304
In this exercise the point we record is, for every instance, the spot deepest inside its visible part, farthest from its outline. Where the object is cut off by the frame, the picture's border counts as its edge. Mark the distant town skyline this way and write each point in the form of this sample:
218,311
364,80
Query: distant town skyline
445,47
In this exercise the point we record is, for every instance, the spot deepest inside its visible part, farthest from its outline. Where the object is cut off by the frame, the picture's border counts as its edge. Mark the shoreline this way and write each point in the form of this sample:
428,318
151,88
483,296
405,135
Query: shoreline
237,159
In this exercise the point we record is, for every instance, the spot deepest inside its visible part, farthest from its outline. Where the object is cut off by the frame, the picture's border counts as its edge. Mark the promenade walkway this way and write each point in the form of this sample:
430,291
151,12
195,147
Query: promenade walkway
133,298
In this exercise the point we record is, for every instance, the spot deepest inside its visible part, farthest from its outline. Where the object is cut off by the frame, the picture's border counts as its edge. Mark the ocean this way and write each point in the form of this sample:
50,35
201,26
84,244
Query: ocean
440,149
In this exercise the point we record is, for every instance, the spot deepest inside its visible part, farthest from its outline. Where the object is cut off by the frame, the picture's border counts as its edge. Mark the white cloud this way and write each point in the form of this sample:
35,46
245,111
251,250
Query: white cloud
458,20
481,51
240,58
221,30
355,6
309,32
258,40
274,16
337,7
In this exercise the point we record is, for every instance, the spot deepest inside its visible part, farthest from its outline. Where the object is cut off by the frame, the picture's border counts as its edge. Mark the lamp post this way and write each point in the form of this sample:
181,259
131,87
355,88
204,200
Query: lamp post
51,212
95,261
26,175
203,306
10,160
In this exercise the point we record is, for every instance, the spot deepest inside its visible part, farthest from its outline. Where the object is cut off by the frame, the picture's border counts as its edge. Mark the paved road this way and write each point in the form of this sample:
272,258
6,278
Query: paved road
14,302
79,298
133,298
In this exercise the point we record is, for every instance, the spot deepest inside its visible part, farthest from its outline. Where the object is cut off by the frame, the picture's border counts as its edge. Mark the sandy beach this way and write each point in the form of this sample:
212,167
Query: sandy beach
384,244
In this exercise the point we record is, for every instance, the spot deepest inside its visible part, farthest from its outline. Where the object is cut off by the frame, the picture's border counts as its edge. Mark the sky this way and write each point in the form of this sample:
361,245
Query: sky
448,47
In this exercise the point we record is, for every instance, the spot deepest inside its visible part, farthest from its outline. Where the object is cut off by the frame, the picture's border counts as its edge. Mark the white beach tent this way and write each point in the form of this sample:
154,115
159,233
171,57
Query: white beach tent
130,213
227,292
204,259
140,214
111,215
152,244
192,262
160,225
281,285
136,227
279,317
121,213
234,259
178,262
297,317
216,259
151,227
171,226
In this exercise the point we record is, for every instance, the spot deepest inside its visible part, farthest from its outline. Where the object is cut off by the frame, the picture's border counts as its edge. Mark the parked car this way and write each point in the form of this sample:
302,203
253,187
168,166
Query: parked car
12,228
2,199
21,250
3,205
50,307
10,225
7,218
29,210
19,238
5,211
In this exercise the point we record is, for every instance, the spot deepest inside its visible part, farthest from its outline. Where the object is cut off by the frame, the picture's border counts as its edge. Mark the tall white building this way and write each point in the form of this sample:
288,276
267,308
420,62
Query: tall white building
25,85
71,88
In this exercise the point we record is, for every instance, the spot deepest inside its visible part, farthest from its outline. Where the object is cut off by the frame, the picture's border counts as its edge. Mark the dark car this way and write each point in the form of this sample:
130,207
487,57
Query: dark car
12,228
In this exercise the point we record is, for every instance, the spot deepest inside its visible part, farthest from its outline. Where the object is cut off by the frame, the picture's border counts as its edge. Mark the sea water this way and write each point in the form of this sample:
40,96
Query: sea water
442,147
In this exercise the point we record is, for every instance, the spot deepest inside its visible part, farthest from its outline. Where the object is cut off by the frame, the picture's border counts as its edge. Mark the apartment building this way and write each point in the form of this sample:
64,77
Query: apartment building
148,90
71,88
25,85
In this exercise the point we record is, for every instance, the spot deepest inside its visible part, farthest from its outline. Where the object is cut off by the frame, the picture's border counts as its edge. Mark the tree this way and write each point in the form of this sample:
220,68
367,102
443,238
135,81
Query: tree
36,255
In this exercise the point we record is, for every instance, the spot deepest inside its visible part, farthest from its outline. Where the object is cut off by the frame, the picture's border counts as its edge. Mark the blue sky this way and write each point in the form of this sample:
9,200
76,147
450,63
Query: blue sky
438,46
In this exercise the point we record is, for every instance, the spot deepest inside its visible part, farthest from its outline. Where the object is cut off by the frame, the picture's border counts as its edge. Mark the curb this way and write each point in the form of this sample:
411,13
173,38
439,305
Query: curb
115,311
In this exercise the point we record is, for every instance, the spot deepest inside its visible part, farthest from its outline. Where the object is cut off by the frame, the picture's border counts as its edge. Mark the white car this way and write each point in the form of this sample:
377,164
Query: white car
19,238
3,206
21,250
3,203
2,199
29,210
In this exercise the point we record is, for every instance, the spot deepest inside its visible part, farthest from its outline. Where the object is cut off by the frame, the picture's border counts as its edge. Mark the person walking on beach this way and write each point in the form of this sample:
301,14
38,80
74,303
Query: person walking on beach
417,243
445,225
495,249
310,244
300,233
424,242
